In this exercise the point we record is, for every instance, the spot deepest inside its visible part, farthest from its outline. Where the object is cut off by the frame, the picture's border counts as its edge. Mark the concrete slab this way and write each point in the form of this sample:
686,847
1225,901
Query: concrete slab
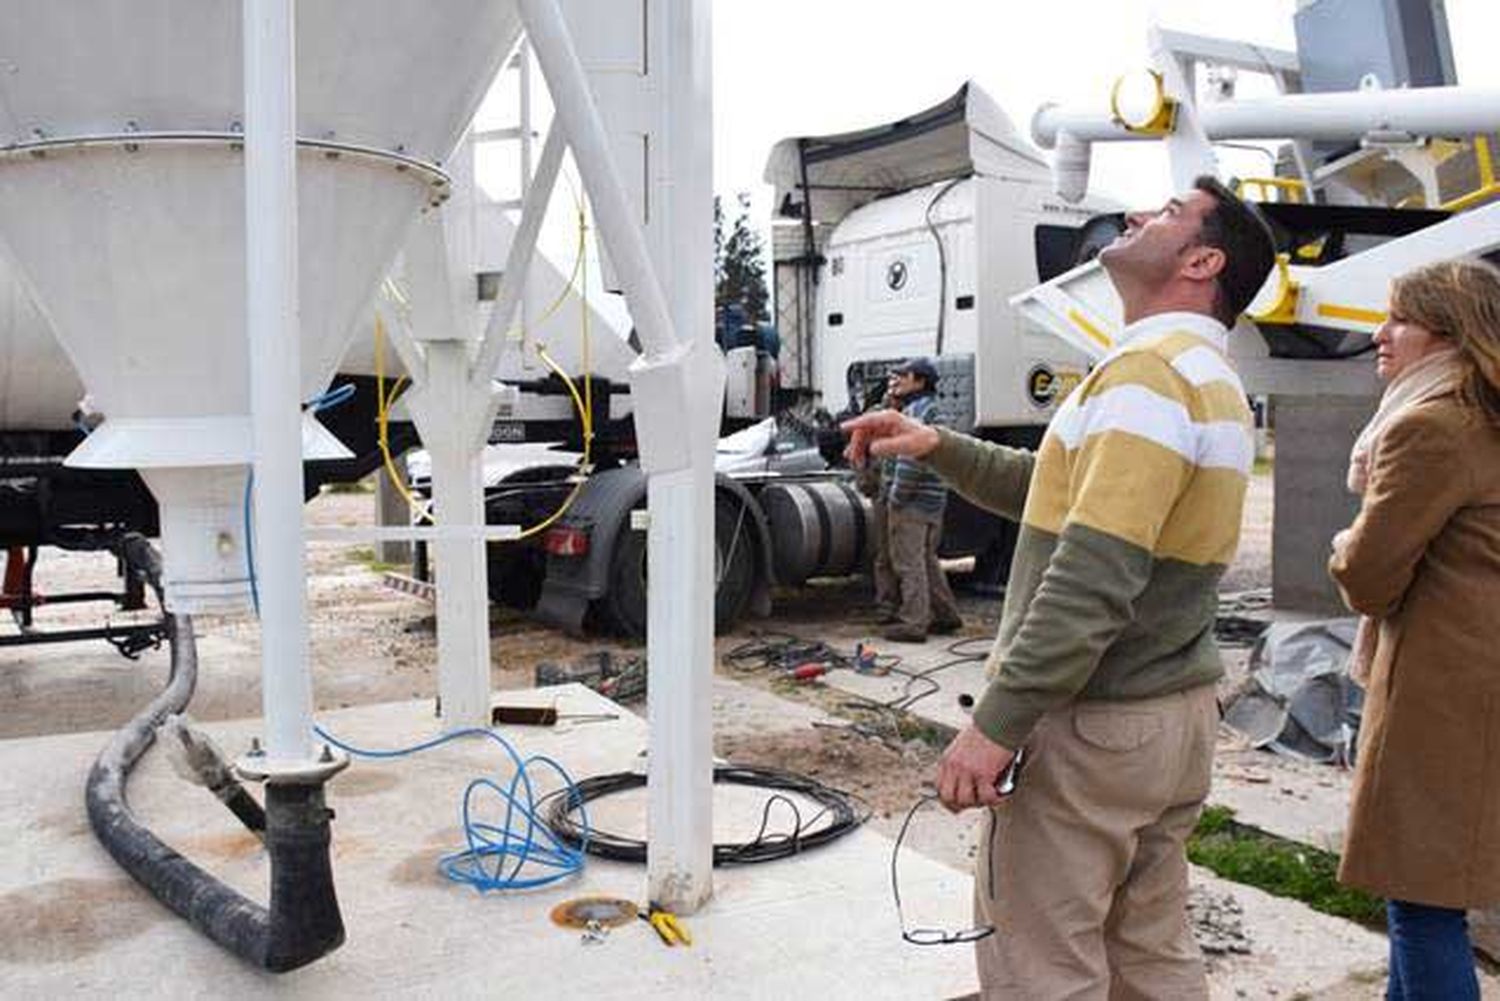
1293,799
954,675
817,925
742,710
1294,950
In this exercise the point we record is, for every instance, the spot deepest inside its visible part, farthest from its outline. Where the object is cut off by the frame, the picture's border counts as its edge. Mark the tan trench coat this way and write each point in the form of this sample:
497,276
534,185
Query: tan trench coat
1424,556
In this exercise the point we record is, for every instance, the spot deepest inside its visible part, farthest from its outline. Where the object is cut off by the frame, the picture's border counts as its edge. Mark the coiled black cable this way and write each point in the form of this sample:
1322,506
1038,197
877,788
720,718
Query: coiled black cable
844,813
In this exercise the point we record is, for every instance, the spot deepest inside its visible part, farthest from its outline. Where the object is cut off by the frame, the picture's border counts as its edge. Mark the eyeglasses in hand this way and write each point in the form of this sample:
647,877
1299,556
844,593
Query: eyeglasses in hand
938,936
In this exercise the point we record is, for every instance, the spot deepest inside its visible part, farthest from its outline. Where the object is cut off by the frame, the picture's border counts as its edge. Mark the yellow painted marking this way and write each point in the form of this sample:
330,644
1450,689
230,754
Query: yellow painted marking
1487,189
1471,199
1374,317
1082,323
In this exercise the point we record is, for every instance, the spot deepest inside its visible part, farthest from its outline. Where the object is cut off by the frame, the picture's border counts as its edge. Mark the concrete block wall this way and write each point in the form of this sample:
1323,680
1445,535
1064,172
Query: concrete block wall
1313,437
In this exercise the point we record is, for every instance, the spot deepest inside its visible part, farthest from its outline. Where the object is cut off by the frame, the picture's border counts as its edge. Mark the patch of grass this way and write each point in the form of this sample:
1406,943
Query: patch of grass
934,735
1263,467
366,555
1280,867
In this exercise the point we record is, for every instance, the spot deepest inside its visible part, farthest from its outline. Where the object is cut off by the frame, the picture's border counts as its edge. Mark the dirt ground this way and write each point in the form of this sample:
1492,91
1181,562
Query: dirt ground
371,644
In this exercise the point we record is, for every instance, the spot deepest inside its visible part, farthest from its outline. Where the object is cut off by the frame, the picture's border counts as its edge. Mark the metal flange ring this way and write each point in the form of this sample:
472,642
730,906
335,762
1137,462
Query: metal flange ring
132,142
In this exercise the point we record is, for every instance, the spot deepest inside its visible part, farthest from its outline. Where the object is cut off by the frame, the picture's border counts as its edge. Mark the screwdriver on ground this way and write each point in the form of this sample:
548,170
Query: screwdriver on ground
541,715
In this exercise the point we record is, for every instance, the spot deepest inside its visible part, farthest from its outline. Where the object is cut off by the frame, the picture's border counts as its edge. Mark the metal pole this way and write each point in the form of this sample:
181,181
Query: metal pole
272,329
680,544
1421,111
618,224
523,55
458,498
518,257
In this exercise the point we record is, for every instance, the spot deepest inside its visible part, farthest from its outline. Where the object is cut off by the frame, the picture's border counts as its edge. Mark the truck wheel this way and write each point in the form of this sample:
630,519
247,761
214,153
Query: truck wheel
734,560
516,575
734,568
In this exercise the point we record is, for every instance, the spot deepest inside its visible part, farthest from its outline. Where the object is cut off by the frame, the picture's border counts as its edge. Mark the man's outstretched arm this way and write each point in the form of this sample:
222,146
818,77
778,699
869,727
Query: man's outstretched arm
991,476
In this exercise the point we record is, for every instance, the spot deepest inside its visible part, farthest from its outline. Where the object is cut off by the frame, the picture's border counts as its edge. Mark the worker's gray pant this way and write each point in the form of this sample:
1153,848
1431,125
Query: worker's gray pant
925,596
887,584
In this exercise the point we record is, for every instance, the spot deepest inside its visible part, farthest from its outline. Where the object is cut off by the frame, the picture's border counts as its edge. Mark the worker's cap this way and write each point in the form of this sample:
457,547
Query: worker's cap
922,367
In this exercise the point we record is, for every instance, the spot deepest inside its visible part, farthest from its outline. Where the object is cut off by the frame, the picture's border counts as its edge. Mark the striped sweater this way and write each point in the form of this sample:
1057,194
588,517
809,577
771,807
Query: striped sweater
912,484
1130,512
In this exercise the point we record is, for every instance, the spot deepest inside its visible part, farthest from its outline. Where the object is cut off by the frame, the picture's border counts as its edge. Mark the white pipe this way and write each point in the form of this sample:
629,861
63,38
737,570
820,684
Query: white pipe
1070,168
1419,111
272,326
523,53
548,33
410,533
518,257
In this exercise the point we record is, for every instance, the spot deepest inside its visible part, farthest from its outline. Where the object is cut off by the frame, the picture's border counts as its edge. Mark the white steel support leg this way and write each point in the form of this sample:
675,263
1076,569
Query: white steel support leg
680,548
518,259
463,633
548,34
275,361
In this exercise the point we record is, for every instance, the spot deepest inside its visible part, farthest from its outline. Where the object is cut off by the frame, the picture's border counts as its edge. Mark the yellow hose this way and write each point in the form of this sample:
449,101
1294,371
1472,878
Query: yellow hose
383,403
583,405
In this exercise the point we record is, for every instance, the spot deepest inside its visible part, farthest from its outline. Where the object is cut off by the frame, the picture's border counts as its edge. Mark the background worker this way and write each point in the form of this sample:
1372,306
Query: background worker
915,499
872,481
1105,663
1422,562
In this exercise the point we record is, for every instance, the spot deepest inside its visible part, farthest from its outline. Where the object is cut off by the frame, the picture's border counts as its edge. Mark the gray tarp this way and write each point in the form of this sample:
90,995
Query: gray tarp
1298,698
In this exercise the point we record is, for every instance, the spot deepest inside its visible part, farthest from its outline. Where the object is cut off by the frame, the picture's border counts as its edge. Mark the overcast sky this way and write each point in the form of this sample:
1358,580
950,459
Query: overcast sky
805,67
809,67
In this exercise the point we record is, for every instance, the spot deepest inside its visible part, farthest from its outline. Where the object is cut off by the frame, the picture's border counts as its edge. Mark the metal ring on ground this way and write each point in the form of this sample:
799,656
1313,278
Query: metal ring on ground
607,912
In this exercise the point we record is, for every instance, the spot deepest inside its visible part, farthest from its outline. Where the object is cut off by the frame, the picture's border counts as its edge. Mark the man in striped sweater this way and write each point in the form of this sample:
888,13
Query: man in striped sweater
1105,663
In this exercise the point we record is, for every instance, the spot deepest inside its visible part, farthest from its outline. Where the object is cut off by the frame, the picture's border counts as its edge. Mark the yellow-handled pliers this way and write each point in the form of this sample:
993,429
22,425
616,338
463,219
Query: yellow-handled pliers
671,930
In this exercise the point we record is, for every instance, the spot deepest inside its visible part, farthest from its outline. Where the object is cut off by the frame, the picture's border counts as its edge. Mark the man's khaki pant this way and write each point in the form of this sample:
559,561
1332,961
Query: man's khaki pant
887,584
1082,871
925,595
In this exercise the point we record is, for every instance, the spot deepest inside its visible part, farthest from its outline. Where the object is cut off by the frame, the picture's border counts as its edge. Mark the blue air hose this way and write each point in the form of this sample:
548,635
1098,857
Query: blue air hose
508,855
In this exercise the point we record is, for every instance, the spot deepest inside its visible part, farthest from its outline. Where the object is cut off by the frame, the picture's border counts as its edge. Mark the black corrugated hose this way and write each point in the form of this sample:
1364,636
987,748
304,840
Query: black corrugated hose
303,921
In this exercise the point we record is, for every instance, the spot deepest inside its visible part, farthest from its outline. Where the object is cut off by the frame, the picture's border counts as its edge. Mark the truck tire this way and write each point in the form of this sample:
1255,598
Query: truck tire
516,575
624,603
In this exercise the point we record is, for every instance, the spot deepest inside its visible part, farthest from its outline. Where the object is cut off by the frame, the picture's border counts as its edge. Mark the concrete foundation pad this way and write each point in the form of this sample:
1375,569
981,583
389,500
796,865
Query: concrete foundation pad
1295,952
1297,800
966,677
817,925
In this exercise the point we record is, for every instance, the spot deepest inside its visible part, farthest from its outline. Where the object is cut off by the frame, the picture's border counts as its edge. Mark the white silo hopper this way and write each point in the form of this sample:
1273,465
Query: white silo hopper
39,390
122,208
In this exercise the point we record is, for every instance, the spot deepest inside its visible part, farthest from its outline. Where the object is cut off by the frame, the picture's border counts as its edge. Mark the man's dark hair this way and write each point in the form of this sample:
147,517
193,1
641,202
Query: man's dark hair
1242,233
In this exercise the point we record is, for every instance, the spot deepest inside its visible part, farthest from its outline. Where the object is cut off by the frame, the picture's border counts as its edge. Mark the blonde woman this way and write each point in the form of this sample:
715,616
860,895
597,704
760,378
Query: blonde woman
1422,563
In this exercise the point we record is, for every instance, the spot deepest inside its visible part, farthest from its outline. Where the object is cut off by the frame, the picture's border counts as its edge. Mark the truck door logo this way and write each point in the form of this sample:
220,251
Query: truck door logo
896,274
1041,385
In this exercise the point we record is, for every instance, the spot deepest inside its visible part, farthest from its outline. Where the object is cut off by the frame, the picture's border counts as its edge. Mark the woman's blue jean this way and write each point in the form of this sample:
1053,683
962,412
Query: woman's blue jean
1430,954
